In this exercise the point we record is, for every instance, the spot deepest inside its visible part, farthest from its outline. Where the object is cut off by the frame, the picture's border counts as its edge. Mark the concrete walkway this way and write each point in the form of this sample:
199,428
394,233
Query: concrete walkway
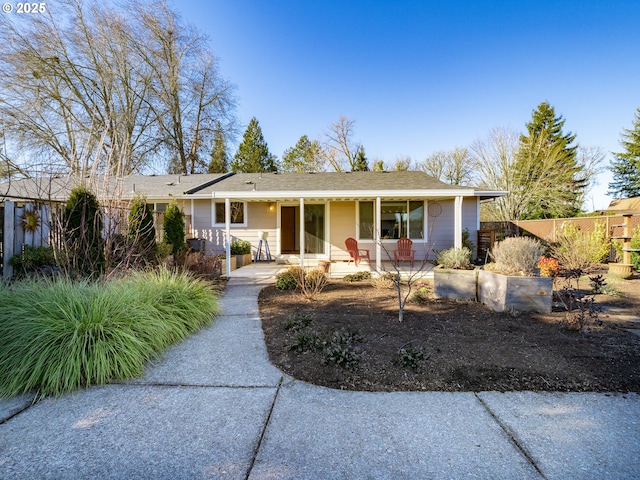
214,407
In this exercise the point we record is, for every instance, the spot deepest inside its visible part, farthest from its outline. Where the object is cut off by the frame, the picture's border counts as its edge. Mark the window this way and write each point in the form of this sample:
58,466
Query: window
397,219
366,220
237,213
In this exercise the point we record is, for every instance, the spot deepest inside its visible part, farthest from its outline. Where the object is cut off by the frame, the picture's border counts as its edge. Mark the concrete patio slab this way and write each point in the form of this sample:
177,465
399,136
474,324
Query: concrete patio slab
11,406
230,352
317,432
125,432
573,435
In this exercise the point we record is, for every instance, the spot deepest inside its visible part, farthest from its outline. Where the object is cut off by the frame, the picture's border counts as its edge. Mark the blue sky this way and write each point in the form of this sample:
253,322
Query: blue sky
423,76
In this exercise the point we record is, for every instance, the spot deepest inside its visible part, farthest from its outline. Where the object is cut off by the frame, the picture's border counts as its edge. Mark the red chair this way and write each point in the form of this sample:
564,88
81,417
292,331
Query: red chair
403,251
356,253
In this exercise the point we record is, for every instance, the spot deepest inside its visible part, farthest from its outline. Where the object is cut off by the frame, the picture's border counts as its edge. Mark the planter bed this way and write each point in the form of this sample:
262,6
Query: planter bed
526,294
455,284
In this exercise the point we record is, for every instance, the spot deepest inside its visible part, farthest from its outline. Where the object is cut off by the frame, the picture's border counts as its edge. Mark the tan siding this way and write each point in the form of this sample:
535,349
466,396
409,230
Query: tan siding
343,226
259,218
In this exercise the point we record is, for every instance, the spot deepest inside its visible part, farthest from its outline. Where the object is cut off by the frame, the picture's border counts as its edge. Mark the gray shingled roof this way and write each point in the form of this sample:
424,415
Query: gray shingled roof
328,181
248,185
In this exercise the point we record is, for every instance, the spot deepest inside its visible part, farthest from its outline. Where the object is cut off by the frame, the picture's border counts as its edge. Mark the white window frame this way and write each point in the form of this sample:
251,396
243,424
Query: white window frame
376,221
222,224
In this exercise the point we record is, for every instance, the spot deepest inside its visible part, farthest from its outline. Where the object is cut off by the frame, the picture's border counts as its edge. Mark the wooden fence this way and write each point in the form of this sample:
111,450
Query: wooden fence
14,233
547,229
14,236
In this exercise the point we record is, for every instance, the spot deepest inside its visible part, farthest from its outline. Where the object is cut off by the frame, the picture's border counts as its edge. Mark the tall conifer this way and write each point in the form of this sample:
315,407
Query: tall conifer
253,154
625,167
547,161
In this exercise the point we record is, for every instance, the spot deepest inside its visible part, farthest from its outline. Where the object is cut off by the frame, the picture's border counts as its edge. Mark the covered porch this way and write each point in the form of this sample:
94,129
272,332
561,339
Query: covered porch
337,269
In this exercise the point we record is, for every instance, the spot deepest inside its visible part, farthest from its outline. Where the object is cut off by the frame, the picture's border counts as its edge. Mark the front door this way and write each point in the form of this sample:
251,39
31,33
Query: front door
288,231
314,229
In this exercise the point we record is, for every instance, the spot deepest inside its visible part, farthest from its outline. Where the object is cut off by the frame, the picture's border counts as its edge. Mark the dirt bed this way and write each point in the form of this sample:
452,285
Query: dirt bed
350,338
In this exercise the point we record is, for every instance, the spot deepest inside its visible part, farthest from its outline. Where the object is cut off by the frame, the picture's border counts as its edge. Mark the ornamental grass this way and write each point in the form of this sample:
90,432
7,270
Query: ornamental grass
60,335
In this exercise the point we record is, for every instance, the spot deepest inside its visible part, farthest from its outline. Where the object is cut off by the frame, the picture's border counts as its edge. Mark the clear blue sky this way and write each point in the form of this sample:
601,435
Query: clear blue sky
423,76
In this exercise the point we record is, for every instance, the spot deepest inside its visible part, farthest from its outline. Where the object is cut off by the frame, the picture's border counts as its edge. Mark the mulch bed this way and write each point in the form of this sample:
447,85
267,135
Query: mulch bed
349,337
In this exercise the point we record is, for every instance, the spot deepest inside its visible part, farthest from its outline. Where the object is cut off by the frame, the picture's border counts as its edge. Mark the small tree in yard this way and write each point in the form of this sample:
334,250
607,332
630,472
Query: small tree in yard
405,286
174,227
83,249
141,231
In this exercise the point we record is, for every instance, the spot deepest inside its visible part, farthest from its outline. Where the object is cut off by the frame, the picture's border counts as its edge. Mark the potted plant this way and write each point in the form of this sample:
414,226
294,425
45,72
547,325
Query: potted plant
455,277
513,281
241,250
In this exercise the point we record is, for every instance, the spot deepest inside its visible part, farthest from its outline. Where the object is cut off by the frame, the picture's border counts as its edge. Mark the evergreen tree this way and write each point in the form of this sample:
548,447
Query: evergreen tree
253,154
140,229
174,228
547,161
360,164
219,162
626,165
304,157
378,166
82,223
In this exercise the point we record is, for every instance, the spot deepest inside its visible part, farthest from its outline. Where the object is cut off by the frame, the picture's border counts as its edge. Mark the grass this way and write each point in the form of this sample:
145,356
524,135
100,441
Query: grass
59,335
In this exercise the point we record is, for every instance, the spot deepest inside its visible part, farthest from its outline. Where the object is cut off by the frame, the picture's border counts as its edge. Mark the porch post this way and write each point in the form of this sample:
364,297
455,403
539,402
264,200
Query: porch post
457,220
376,235
227,234
302,228
8,244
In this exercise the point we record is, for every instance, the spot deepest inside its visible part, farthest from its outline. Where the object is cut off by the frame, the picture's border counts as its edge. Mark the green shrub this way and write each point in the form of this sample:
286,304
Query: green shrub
357,277
517,255
466,241
141,231
61,335
290,278
410,357
32,259
386,281
422,294
454,258
314,282
82,226
240,247
174,228
297,322
635,243
341,349
306,342
578,250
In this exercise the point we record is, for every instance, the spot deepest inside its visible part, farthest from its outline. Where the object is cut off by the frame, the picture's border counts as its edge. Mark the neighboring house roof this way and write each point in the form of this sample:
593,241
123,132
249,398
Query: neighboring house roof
272,186
153,186
625,205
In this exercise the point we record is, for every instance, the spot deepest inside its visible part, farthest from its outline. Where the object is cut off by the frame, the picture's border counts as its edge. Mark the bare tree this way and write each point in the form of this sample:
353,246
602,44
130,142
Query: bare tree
403,163
193,100
456,167
592,159
496,157
85,85
339,148
404,280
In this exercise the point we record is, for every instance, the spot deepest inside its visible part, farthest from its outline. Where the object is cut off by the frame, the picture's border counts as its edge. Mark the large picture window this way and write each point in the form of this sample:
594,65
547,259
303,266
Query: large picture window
238,213
398,219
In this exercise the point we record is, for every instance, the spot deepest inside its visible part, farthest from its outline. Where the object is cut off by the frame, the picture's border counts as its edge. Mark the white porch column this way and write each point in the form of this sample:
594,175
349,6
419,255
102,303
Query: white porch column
193,215
227,234
457,221
376,235
302,246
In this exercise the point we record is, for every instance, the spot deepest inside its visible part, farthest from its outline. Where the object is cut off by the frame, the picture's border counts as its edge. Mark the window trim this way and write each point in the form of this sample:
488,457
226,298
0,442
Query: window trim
223,224
377,222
